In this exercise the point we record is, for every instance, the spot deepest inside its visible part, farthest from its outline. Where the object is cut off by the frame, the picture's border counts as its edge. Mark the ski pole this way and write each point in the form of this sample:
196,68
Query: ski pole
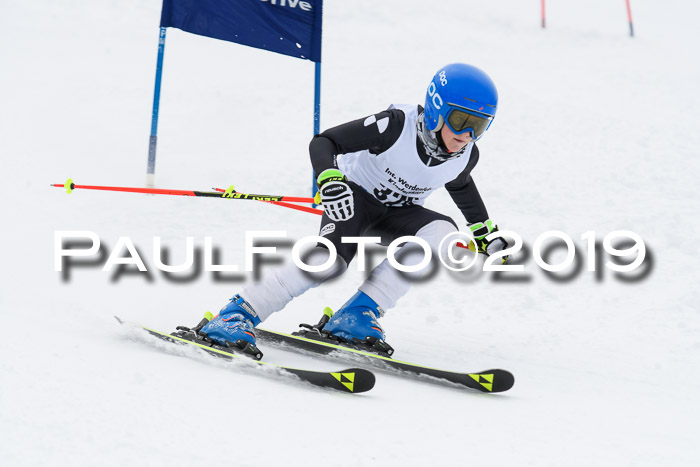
229,193
69,185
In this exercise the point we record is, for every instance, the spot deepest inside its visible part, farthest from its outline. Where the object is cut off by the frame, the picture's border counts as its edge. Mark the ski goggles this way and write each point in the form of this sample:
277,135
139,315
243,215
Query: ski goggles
461,120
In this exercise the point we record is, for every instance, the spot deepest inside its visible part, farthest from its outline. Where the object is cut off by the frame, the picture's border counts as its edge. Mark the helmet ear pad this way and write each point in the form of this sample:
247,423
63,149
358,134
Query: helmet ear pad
439,125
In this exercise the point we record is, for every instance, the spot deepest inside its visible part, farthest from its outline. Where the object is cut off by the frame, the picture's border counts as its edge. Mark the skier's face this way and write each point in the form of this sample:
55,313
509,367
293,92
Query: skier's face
454,142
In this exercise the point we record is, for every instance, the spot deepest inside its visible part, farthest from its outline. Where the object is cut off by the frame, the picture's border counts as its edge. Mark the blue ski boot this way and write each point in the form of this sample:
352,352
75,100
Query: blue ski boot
356,323
233,326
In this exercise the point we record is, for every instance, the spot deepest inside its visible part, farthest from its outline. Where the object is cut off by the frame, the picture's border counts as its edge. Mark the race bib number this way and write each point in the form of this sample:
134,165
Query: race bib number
389,197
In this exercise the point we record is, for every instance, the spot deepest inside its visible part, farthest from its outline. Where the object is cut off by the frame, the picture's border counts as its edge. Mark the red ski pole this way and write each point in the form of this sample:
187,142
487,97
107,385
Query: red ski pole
230,193
226,194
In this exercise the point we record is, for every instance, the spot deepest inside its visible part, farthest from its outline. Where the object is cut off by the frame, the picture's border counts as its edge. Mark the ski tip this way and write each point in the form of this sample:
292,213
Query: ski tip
354,380
208,316
492,380
119,320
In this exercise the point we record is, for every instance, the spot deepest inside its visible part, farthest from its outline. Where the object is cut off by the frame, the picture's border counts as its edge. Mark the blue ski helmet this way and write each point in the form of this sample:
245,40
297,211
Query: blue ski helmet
462,96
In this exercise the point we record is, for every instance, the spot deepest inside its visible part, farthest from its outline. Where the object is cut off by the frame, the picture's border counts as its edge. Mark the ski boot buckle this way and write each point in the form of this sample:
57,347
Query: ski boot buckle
379,346
245,348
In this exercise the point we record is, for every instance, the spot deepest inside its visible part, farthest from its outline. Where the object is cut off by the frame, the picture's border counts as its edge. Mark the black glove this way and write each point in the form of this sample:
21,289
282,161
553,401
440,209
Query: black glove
335,195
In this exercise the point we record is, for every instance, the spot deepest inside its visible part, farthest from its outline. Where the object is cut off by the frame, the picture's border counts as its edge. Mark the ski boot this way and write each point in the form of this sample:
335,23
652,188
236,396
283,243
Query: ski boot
354,324
231,329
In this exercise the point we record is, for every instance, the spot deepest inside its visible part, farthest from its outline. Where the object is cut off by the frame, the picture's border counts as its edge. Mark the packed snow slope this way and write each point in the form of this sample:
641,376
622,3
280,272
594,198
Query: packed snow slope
596,131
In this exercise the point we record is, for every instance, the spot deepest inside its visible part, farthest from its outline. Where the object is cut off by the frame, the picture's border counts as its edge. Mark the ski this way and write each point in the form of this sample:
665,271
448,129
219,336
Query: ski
489,381
353,380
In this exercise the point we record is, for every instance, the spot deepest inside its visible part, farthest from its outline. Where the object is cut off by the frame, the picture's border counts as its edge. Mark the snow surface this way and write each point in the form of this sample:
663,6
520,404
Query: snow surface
595,131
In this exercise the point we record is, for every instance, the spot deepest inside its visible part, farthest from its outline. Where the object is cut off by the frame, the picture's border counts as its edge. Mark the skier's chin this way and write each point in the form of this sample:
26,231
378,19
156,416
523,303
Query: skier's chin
457,144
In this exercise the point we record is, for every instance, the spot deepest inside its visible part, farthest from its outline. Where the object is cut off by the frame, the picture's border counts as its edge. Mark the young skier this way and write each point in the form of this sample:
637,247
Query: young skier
390,163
